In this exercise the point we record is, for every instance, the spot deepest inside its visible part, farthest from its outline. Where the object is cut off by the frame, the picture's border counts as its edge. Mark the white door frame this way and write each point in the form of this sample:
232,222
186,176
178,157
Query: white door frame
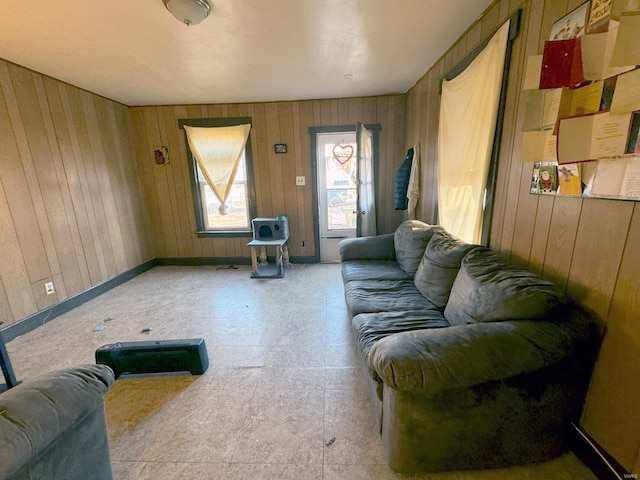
313,133
342,211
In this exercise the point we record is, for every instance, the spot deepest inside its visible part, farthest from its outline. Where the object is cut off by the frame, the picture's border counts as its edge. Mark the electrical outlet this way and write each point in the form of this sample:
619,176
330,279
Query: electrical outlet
48,288
300,181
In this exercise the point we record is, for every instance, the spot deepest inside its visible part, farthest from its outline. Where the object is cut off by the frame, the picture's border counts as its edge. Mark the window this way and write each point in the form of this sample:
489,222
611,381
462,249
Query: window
235,218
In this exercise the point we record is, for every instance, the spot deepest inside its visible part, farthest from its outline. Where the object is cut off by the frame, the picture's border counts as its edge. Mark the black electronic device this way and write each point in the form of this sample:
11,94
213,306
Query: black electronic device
188,355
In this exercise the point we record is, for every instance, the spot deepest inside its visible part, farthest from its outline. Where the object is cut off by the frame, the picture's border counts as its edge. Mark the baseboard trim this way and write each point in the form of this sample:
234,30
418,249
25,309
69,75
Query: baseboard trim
599,461
201,261
31,322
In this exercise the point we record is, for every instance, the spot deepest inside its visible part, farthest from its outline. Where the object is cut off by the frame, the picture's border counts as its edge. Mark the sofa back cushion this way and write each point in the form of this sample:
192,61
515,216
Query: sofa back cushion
489,288
439,266
410,240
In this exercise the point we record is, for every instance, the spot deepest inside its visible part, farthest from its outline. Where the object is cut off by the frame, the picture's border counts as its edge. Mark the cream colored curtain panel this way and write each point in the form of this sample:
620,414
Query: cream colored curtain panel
468,113
218,151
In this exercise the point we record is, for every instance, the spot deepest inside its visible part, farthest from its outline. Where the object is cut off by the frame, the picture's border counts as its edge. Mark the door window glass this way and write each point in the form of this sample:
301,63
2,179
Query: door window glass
340,161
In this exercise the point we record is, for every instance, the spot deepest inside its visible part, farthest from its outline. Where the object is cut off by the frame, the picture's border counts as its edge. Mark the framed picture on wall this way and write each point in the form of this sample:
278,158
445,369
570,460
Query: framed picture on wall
572,25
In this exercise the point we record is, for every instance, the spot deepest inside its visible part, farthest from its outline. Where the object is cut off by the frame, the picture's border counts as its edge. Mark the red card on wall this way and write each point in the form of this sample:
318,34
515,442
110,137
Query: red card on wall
561,64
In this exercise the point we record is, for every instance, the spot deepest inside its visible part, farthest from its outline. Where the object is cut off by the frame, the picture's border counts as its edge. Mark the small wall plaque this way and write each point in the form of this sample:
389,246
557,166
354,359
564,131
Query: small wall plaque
161,155
280,147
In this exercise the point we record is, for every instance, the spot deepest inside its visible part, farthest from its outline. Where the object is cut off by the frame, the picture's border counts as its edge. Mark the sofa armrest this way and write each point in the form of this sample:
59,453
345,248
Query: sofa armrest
35,413
378,247
435,360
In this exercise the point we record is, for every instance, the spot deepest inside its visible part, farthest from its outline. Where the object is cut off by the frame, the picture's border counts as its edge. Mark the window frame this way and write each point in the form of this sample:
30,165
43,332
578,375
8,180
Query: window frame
195,185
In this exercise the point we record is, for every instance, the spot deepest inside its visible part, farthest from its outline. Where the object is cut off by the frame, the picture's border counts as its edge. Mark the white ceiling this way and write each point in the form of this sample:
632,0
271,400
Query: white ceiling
137,53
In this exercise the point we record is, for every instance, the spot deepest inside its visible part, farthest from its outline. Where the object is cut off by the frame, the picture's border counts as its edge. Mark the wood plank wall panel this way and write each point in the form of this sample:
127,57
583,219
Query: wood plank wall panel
168,190
587,246
622,304
71,207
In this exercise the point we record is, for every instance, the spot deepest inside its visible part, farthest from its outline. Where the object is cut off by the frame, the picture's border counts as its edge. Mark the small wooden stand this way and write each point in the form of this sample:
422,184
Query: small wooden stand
267,271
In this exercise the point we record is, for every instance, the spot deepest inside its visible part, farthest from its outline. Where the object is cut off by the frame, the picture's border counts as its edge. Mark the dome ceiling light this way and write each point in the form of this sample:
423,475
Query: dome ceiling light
189,12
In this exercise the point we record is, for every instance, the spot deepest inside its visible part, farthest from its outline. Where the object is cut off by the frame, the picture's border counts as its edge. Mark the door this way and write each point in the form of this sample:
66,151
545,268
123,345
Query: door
366,201
337,165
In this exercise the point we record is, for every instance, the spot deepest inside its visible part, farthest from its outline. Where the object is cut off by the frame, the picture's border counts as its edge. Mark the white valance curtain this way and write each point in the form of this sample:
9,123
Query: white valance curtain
218,151
468,113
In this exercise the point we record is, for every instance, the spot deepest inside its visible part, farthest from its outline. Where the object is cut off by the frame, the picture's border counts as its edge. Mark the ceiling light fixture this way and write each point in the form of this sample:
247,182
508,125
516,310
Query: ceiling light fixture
189,12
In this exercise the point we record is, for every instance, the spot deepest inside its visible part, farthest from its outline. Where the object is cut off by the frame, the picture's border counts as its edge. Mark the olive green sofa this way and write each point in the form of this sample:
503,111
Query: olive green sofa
54,428
470,361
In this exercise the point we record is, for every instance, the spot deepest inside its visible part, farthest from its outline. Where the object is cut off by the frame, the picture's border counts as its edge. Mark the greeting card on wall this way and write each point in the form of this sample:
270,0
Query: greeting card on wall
617,177
532,72
561,64
633,144
569,180
572,25
592,137
627,48
580,101
541,109
539,146
535,178
548,179
626,97
597,51
599,16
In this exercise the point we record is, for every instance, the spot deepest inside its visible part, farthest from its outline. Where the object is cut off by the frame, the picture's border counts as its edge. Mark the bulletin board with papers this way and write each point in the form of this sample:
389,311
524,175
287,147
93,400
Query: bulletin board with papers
582,111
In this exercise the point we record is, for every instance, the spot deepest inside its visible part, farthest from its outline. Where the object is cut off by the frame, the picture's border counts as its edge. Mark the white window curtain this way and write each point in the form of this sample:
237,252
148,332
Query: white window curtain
468,113
218,151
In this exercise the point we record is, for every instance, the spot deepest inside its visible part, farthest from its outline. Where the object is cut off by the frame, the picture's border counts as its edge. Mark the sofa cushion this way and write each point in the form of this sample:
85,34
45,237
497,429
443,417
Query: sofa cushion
410,240
490,288
439,266
368,328
372,270
370,296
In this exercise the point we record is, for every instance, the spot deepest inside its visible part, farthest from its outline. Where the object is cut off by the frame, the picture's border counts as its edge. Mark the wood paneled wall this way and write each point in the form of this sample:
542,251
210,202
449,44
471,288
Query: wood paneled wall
71,206
168,189
590,247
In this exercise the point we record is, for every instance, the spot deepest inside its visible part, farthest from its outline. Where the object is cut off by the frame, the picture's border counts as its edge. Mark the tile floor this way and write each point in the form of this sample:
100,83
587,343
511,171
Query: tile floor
282,381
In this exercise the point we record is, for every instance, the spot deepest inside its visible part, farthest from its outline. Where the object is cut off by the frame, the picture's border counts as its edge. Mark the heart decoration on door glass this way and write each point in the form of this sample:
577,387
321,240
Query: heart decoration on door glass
342,153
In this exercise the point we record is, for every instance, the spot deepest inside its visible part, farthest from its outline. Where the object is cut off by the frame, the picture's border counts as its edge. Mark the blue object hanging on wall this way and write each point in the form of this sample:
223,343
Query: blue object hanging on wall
400,200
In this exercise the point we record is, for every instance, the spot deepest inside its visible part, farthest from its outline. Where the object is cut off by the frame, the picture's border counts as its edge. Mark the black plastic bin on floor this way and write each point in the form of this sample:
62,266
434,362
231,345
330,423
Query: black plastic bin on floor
188,355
